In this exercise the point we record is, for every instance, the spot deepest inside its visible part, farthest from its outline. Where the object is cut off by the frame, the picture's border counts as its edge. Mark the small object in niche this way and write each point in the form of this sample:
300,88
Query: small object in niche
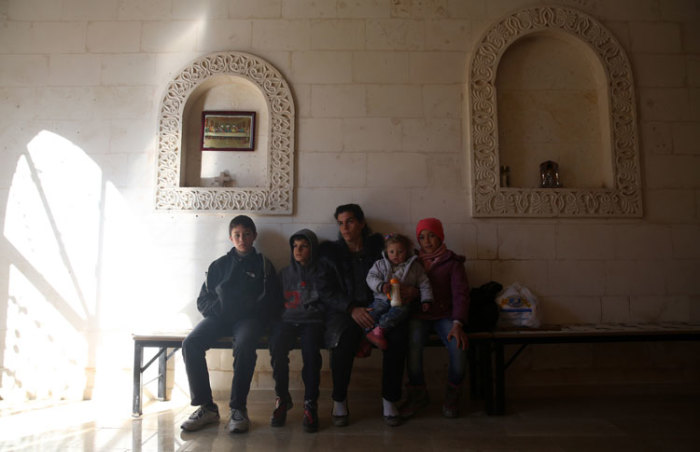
549,175
223,180
505,176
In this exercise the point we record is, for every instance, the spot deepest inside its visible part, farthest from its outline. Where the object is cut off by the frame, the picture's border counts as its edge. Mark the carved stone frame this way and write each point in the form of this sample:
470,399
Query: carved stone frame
491,200
278,197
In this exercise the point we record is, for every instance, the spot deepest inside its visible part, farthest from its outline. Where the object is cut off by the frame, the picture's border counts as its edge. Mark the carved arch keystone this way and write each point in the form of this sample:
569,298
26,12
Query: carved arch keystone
488,198
277,197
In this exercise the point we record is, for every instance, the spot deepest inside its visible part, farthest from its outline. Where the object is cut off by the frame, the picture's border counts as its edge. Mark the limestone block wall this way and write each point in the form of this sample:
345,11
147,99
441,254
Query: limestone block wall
380,91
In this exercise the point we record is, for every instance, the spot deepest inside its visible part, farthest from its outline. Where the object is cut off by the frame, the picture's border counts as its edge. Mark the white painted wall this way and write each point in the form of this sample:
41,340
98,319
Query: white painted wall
379,88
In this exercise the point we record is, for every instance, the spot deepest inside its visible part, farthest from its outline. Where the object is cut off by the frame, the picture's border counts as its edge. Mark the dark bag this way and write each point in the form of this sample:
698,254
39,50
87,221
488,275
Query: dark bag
483,310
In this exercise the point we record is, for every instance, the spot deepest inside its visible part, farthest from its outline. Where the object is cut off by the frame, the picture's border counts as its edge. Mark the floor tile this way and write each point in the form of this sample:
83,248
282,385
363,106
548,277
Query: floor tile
560,424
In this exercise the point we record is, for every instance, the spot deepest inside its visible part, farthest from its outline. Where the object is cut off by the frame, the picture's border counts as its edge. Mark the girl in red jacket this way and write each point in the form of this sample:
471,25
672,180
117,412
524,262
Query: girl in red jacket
447,316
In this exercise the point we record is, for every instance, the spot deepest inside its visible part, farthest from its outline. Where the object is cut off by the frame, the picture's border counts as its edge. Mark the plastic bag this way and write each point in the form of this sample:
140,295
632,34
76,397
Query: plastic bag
518,307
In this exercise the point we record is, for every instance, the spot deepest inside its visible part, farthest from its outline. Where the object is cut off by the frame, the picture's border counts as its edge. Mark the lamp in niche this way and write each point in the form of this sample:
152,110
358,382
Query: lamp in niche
505,176
549,175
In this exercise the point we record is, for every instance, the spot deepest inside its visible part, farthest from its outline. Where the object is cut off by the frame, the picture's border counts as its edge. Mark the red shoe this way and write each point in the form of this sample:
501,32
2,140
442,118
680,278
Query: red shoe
364,350
376,337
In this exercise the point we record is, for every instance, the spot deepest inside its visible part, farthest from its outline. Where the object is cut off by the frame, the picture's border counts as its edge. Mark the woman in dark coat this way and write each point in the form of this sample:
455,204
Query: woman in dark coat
351,256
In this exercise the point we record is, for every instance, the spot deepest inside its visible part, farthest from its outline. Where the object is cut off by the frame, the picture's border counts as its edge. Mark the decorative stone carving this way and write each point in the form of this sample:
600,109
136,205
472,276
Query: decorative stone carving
278,196
489,198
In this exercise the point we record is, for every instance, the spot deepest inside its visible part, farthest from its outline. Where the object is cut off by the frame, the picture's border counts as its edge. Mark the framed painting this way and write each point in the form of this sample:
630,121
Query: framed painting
228,130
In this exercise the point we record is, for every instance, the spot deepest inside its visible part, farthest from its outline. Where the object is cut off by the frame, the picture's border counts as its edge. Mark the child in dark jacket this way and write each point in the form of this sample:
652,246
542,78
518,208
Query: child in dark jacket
305,285
237,299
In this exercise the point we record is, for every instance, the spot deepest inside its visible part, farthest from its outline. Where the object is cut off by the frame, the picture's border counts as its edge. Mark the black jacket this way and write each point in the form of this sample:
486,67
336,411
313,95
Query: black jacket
341,261
240,287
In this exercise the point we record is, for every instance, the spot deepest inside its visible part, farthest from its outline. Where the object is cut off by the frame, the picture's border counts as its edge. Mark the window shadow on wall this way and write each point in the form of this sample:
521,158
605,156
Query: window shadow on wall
65,228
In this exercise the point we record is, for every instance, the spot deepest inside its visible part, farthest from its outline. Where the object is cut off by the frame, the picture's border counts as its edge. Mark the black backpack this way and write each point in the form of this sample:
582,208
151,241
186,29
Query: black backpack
483,311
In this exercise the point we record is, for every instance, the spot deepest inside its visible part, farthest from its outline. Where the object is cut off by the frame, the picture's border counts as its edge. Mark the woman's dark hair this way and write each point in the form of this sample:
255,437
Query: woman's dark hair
242,220
357,212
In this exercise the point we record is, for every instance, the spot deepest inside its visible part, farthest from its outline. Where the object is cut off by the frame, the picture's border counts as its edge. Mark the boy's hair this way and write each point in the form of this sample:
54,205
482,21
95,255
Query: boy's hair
357,212
299,237
400,239
242,220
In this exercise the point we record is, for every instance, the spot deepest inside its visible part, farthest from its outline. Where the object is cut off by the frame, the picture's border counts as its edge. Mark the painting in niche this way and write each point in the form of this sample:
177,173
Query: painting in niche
228,130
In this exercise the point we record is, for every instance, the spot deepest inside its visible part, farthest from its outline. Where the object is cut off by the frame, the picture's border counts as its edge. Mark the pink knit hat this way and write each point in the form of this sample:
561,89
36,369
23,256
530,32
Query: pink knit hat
431,224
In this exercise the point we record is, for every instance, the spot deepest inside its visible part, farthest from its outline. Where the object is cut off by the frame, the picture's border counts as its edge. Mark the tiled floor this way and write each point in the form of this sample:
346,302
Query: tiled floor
621,423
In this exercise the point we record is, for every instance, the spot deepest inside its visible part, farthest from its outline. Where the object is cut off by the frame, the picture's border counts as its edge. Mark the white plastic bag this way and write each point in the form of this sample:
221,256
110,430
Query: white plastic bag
518,307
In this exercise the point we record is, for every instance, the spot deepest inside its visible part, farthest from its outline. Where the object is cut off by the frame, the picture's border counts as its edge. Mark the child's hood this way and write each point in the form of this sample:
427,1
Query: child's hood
313,242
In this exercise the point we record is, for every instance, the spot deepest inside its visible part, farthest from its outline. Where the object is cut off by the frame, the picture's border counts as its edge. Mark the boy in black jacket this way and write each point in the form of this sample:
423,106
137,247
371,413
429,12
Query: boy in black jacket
237,299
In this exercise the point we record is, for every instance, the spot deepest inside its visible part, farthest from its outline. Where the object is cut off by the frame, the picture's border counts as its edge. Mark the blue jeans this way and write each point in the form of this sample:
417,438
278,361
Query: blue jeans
385,315
418,333
282,339
246,335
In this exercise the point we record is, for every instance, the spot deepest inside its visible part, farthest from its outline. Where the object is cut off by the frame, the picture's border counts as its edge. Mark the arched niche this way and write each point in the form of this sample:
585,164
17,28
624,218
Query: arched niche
220,74
618,194
246,169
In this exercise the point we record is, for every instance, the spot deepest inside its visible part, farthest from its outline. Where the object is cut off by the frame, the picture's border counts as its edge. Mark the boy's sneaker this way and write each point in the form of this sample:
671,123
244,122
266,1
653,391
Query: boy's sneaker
201,418
376,337
310,422
279,416
239,422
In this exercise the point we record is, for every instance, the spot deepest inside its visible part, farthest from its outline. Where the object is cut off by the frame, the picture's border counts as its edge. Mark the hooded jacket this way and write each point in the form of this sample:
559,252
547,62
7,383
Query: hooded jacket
450,289
238,287
303,285
410,273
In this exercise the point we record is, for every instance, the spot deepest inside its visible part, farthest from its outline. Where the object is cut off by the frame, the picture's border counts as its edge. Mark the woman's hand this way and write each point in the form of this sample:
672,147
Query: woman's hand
460,336
361,317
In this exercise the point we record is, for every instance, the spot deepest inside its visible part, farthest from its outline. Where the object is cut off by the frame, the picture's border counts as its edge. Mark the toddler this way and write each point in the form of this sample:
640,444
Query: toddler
399,263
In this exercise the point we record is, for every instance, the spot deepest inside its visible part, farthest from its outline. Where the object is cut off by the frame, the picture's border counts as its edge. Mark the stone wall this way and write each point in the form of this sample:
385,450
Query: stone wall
380,91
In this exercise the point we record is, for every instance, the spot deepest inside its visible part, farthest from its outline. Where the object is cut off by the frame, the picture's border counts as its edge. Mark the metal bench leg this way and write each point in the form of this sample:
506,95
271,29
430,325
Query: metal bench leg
162,373
499,385
138,380
486,375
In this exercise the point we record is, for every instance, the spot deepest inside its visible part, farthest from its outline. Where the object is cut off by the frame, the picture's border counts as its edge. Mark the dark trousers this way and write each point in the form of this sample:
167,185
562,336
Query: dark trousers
246,334
282,339
393,361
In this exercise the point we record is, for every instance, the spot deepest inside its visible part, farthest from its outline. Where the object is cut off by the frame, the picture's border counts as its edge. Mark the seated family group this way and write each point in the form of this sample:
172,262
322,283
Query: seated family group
361,291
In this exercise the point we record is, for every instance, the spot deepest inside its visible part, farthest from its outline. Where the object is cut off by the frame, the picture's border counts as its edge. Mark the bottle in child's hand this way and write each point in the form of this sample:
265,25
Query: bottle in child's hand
395,296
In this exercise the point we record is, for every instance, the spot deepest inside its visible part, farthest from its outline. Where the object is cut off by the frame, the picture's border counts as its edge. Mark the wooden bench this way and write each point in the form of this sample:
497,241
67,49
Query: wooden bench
487,364
489,347
168,343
